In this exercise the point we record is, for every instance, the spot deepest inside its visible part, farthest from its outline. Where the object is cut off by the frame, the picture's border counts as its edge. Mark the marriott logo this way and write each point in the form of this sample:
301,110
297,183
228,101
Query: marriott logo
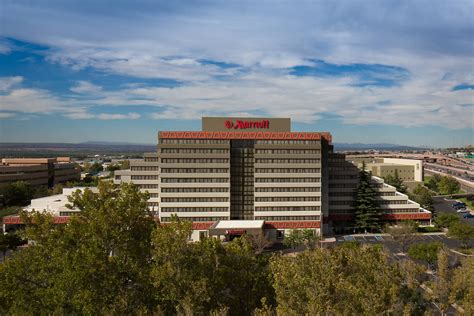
240,124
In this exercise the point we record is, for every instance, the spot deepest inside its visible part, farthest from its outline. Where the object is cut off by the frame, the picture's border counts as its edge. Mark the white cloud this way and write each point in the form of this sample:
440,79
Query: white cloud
6,115
8,82
129,116
84,87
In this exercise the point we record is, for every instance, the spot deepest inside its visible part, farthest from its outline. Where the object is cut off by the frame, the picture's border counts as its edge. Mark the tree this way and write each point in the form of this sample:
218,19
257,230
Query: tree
448,185
367,209
443,281
433,181
396,181
425,251
206,276
113,167
404,233
424,197
462,290
259,242
96,168
9,241
463,232
18,193
446,220
337,281
301,237
99,263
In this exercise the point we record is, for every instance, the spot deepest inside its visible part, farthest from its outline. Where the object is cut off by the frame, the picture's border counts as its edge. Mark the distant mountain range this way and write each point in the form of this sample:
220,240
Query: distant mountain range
134,149
377,146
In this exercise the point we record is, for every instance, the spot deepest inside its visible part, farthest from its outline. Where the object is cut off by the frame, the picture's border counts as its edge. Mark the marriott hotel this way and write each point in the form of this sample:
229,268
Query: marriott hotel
253,175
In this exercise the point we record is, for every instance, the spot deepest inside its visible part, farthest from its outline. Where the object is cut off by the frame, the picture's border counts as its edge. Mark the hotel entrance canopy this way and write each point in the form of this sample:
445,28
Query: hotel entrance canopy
236,227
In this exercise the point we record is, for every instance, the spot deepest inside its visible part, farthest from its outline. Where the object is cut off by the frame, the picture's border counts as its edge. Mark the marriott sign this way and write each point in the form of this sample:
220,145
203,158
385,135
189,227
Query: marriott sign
241,124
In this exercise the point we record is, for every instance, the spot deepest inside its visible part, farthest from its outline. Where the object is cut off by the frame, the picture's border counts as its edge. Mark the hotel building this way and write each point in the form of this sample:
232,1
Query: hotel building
242,175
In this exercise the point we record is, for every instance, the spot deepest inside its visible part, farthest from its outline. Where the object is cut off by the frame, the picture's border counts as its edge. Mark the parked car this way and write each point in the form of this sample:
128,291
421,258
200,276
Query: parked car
459,205
468,215
461,210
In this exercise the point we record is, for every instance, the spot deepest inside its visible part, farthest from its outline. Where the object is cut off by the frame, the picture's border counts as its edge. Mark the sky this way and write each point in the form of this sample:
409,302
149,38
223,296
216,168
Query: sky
399,72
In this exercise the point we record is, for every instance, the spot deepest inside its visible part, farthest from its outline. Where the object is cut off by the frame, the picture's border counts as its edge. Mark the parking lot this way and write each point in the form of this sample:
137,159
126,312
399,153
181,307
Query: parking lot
388,238
443,205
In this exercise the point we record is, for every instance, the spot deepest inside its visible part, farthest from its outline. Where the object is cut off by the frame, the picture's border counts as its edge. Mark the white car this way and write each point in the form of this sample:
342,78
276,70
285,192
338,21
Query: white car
461,210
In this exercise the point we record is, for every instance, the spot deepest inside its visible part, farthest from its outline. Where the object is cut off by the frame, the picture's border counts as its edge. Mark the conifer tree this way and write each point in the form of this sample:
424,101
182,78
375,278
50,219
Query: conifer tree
367,210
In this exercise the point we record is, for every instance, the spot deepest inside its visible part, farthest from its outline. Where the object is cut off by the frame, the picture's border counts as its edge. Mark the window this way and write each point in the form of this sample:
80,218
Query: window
287,208
280,234
194,180
193,199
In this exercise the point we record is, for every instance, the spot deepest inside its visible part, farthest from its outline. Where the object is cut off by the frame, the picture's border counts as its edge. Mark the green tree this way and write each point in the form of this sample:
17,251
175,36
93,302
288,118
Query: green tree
462,291
448,185
206,276
433,181
338,281
463,232
301,237
424,197
96,168
446,220
367,209
425,251
9,241
17,193
99,263
113,167
442,284
396,181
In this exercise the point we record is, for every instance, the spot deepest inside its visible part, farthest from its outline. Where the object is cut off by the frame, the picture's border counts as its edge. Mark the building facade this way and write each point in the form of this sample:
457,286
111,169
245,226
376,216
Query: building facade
38,171
237,171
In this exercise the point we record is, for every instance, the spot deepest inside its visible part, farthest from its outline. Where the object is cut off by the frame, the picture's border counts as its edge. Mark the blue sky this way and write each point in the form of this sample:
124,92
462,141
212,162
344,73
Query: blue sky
367,71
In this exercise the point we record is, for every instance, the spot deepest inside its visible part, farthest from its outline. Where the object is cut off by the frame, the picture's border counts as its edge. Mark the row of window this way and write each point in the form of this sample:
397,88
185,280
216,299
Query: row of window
340,202
151,159
385,202
287,208
194,209
193,141
144,168
194,160
194,170
343,185
194,180
342,176
287,198
196,219
144,177
288,151
288,218
147,186
185,190
194,151
296,189
287,170
395,211
288,160
350,193
193,199
267,180
285,142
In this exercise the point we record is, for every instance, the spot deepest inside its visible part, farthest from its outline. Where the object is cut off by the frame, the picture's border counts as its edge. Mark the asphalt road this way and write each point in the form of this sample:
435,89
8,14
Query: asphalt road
443,205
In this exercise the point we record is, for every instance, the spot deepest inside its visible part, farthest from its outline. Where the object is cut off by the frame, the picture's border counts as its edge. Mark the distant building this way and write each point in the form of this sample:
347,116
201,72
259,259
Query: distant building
409,170
38,171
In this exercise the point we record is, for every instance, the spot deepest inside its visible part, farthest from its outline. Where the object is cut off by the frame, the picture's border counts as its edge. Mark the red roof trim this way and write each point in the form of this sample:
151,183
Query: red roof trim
246,135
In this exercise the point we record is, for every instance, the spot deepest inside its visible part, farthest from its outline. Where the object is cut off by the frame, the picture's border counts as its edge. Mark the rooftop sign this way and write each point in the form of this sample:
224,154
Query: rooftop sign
248,124
244,124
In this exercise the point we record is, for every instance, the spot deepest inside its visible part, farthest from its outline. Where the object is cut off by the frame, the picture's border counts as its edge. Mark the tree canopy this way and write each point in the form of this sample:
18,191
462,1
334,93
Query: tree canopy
367,209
